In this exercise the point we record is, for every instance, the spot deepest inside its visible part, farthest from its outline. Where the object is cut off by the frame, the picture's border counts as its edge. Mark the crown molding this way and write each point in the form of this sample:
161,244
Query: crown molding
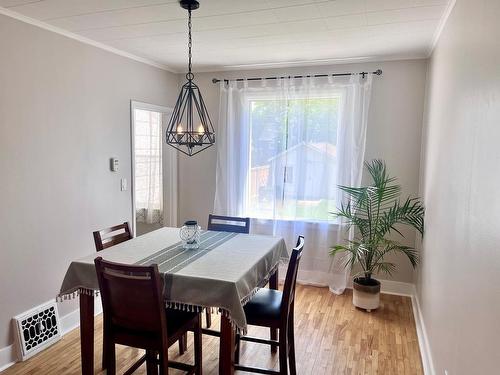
306,63
82,39
441,25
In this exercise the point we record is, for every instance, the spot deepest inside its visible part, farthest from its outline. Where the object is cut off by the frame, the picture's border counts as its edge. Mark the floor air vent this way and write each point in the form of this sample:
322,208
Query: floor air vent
37,329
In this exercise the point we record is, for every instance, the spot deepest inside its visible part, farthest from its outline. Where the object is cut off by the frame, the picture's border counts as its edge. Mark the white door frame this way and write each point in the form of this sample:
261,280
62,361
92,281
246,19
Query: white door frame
169,167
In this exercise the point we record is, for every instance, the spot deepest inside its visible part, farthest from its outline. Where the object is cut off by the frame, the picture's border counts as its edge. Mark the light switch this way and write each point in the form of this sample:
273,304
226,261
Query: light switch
113,164
123,184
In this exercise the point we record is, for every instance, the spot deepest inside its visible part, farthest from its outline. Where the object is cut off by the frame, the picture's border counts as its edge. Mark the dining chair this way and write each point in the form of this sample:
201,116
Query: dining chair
226,224
135,315
114,235
108,237
229,224
275,309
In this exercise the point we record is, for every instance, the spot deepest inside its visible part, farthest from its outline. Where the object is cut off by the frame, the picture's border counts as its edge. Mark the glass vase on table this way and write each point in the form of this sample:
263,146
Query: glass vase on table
190,235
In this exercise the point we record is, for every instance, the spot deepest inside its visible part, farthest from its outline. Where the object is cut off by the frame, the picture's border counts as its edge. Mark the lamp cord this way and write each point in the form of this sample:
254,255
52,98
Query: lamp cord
190,43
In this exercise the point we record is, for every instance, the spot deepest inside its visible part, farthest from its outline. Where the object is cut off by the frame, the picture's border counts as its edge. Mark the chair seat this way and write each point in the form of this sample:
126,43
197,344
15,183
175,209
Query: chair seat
178,322
264,308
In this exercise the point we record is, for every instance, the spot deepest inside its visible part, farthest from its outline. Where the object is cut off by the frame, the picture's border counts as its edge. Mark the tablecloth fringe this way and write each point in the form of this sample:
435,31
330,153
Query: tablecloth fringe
75,293
220,310
263,283
214,310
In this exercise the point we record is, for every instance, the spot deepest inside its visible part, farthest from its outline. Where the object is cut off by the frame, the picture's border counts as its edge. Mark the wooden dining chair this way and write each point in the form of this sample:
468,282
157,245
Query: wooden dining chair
229,224
135,315
226,224
108,237
275,309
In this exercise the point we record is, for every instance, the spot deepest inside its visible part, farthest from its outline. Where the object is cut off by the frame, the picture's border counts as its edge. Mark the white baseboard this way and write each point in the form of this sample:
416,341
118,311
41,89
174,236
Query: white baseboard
423,341
397,288
69,322
7,357
322,279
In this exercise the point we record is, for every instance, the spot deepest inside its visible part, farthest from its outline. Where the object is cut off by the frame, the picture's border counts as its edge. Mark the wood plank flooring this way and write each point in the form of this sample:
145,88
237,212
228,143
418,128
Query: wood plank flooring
332,337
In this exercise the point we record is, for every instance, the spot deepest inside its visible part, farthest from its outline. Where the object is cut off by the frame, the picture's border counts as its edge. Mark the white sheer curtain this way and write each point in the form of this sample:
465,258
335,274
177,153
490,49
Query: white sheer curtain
283,148
148,167
170,161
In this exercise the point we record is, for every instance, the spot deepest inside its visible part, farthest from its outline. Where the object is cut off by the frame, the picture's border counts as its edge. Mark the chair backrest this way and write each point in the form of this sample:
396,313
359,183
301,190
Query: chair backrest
291,277
111,236
132,298
229,224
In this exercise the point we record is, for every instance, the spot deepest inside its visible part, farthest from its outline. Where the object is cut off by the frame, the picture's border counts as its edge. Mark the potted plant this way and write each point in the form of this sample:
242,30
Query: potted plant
375,211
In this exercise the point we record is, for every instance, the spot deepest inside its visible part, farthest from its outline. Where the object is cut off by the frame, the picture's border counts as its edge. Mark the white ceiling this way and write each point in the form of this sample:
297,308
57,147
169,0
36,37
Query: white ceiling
229,34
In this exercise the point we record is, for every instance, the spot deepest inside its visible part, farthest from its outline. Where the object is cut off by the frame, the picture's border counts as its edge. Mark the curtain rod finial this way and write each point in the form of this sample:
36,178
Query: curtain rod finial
378,72
215,80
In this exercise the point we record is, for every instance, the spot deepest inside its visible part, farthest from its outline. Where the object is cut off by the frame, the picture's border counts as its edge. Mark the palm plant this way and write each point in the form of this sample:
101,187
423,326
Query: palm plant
375,211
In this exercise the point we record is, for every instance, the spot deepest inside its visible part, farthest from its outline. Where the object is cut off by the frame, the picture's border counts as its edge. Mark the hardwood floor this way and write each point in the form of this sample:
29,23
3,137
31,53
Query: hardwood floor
332,337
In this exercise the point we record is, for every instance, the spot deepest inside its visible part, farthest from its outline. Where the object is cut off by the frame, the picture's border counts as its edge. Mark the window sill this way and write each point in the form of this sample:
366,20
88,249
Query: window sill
310,222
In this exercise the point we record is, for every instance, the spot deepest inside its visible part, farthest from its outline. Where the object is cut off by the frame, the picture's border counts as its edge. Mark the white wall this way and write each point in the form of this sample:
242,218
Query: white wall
394,133
64,111
457,283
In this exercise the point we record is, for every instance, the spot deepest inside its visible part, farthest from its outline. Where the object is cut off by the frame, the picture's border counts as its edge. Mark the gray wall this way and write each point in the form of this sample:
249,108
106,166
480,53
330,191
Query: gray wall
457,283
64,111
394,134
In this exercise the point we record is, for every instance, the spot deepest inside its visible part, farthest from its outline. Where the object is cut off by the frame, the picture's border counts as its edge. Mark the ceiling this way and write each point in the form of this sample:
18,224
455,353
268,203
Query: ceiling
243,34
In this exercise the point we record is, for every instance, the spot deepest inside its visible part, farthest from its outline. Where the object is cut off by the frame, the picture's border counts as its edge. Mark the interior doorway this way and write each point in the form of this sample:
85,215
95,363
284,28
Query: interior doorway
154,170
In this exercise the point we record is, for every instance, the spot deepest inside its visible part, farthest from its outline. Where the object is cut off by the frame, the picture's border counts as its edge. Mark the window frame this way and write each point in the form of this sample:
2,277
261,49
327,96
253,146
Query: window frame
315,93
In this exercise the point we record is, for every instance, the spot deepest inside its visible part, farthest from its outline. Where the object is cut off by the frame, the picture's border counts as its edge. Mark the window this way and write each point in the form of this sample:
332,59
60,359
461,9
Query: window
293,147
284,145
148,166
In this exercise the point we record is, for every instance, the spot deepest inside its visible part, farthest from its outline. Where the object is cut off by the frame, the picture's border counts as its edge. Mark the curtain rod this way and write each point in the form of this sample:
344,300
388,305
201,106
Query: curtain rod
378,72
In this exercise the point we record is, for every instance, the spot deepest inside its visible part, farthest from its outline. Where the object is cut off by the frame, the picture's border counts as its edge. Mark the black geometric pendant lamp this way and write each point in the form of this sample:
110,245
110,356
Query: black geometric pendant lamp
190,129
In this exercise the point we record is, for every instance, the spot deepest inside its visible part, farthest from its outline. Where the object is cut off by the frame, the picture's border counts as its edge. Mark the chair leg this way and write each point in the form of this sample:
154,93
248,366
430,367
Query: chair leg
198,345
274,336
163,364
104,351
208,317
283,351
183,344
273,284
151,363
291,345
238,349
109,353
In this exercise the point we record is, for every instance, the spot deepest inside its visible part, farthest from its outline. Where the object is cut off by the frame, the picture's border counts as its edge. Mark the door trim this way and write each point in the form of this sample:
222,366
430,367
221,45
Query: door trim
169,180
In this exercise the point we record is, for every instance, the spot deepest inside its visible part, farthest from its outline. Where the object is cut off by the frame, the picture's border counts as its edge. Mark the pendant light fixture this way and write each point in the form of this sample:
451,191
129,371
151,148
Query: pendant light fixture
190,129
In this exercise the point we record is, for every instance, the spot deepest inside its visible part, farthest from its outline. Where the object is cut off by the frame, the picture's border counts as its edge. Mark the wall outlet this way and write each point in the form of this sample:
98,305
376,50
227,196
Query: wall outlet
123,184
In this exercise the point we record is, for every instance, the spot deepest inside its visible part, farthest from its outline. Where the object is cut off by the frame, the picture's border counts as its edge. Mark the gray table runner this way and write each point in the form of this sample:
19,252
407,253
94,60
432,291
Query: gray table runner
223,273
175,257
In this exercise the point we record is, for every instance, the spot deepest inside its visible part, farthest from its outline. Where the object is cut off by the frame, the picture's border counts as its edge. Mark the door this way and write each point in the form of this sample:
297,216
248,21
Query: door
154,170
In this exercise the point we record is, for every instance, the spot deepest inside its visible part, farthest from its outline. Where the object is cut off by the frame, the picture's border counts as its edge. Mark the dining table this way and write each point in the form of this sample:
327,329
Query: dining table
222,274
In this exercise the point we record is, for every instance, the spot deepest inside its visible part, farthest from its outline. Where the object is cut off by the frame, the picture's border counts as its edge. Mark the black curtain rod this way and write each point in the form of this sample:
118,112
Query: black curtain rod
378,72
